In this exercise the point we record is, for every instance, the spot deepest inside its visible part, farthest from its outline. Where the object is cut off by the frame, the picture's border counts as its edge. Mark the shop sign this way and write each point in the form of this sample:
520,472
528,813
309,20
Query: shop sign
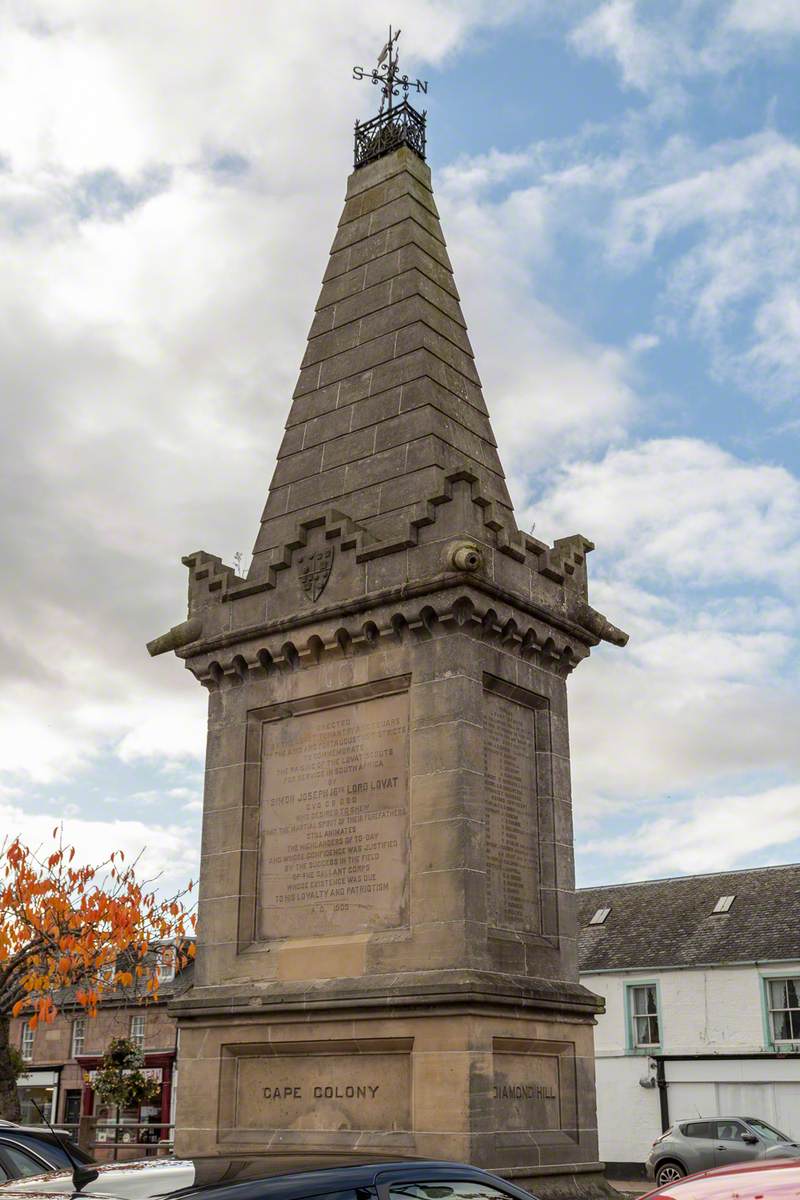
38,1079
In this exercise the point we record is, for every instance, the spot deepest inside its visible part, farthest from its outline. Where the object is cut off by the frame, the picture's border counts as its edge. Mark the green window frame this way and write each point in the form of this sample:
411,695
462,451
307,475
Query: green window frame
643,1017
780,1001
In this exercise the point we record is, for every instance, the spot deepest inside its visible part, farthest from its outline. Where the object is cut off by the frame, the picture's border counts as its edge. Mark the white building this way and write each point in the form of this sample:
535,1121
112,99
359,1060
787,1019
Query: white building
701,979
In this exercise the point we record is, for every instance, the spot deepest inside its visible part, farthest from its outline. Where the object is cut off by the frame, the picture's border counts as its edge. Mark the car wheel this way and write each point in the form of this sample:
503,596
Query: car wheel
669,1172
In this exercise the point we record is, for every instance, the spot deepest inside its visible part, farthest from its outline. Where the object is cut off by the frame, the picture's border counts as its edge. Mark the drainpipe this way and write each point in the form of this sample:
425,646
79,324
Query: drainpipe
663,1098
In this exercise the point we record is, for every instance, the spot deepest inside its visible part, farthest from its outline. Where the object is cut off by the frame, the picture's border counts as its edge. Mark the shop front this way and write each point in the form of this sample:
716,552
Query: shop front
38,1087
140,1124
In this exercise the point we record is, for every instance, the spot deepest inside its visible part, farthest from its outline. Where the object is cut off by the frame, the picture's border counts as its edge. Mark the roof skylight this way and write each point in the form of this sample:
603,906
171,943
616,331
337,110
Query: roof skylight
723,905
599,917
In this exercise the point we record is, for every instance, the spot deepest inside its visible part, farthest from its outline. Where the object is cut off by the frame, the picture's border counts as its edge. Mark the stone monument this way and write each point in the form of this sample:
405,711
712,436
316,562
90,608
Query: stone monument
387,940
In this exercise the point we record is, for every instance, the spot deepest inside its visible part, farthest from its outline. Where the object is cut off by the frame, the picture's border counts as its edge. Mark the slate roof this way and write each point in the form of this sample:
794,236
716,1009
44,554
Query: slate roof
168,990
670,922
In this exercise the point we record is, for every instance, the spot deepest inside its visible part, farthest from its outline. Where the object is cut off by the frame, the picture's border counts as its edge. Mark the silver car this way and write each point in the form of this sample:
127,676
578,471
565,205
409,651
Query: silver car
691,1146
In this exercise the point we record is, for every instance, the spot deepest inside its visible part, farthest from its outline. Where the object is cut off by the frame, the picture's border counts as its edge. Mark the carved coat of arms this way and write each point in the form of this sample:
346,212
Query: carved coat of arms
313,570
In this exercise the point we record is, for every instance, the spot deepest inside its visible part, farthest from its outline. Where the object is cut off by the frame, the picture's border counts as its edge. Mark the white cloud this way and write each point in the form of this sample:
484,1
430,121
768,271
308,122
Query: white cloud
157,308
89,90
712,833
615,29
163,243
674,509
738,205
662,49
700,562
773,17
168,853
710,232
553,390
681,709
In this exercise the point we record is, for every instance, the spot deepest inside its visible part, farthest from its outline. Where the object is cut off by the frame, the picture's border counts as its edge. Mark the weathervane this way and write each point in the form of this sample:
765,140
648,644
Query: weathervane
396,124
387,73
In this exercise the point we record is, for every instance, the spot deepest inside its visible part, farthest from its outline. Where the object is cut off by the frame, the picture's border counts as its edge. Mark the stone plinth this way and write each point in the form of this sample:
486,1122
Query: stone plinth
387,940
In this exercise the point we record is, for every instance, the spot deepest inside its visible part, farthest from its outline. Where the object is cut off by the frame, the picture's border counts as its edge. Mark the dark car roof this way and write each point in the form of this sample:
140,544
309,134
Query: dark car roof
43,1142
35,1131
288,1175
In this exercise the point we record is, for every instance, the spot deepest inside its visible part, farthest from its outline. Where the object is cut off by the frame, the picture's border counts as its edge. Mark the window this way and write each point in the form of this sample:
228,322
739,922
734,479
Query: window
699,1129
600,916
166,964
729,1131
766,1131
724,904
643,1008
78,1036
137,1031
440,1189
107,971
26,1043
23,1164
783,1008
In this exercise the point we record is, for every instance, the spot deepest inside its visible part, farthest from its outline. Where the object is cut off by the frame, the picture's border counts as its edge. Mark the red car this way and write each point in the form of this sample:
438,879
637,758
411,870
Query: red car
776,1180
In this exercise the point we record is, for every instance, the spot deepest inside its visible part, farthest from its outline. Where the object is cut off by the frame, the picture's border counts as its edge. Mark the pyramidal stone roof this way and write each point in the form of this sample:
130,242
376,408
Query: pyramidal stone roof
388,397
388,467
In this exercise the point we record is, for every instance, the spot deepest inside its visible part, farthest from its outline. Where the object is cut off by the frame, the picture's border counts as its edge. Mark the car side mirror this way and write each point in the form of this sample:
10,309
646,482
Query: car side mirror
751,1139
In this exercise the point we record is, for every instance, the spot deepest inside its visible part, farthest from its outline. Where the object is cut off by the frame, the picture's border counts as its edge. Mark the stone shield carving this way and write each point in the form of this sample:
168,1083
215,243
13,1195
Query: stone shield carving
313,570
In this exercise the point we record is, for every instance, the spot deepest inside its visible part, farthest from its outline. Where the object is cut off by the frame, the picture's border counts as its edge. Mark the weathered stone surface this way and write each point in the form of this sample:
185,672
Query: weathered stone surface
387,940
335,820
398,322
324,1093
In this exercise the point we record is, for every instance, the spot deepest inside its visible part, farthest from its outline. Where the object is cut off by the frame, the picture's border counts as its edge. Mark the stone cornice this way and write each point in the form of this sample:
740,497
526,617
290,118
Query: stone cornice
483,611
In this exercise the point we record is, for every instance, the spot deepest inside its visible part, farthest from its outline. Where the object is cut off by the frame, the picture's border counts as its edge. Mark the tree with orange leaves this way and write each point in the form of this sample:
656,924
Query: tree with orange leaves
77,932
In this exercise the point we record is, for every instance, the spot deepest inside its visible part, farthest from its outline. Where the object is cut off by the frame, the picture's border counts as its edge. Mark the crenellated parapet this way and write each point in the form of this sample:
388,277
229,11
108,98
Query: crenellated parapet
457,515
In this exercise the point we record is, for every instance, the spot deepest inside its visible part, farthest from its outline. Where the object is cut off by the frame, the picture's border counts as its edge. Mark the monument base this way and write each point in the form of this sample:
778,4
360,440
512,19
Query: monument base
572,1181
472,1067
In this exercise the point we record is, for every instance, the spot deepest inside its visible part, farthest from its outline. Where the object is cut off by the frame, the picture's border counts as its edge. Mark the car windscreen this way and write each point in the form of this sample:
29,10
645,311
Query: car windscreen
766,1131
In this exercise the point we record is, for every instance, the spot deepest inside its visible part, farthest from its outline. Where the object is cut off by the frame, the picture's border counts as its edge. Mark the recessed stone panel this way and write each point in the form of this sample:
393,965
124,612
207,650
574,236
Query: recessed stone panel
512,833
533,1092
527,1092
324,1092
335,820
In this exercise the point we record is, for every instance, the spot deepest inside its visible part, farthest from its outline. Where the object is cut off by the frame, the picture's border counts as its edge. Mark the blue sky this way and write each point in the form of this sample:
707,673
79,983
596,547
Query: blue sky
619,183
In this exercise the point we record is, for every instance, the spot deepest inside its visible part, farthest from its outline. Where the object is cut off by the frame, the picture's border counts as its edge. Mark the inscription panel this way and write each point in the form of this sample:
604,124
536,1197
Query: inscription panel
512,832
527,1092
324,1092
534,1093
335,820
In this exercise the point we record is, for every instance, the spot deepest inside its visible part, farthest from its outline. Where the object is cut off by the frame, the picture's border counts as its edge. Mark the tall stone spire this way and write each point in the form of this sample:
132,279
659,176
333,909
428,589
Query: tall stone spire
389,401
387,936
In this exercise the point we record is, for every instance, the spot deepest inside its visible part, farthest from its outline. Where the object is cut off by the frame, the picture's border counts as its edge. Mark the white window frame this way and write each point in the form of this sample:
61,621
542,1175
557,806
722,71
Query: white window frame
635,1015
26,1042
78,1040
773,1011
106,973
166,964
137,1030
